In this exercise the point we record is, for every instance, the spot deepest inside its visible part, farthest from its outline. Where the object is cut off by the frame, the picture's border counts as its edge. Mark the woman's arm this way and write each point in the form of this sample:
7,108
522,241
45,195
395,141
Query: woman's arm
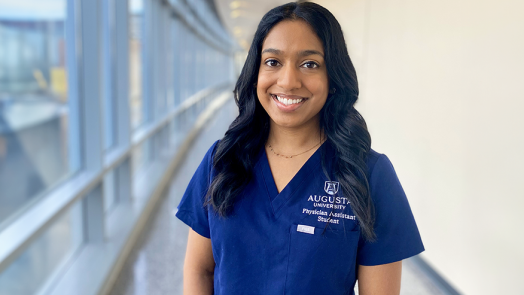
199,265
380,279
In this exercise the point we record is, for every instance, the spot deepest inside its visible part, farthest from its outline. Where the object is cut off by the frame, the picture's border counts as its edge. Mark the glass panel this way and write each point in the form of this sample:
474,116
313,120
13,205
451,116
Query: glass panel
141,158
161,151
108,72
172,130
109,191
192,64
168,34
197,65
209,66
177,130
44,258
160,56
177,61
185,62
136,26
33,101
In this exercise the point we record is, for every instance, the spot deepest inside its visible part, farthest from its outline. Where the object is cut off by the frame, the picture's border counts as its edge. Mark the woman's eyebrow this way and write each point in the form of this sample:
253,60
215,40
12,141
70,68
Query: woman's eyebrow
300,53
272,50
310,52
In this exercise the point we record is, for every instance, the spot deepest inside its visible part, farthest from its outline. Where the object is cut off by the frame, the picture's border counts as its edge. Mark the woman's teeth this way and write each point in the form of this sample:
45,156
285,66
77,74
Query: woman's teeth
288,101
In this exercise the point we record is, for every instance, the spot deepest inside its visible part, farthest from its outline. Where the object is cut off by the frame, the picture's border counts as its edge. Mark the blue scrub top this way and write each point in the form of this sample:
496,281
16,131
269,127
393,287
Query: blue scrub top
305,239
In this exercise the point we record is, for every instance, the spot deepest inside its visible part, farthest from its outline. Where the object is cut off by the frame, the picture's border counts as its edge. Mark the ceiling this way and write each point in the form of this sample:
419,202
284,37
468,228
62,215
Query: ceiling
241,18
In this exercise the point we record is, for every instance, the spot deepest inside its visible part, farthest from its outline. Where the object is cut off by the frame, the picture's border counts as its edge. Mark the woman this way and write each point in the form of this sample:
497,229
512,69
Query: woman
293,200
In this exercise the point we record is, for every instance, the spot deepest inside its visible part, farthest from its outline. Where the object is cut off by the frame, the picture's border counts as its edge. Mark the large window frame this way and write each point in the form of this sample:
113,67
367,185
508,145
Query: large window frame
95,31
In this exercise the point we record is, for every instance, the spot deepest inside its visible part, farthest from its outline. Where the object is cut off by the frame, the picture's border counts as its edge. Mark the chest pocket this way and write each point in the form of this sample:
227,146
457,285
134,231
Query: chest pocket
322,262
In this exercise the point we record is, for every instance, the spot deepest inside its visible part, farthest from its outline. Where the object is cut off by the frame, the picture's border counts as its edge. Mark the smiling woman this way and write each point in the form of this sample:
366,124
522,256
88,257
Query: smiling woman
293,200
292,79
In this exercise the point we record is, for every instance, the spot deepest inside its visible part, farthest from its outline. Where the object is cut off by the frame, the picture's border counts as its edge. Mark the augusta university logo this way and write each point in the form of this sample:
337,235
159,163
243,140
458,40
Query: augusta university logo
331,187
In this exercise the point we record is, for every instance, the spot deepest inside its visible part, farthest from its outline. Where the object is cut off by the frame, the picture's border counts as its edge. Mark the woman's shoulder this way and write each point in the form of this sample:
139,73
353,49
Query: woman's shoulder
205,169
373,158
396,230
378,163
210,154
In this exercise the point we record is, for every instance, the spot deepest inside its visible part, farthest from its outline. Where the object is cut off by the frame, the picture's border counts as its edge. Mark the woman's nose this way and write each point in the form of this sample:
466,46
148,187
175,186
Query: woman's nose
289,78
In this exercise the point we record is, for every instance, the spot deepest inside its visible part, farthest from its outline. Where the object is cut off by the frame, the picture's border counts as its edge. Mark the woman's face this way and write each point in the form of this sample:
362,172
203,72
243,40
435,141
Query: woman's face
292,81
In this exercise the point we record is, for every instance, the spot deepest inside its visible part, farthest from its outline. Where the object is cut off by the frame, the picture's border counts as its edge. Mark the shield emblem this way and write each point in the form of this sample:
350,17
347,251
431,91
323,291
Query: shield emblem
331,187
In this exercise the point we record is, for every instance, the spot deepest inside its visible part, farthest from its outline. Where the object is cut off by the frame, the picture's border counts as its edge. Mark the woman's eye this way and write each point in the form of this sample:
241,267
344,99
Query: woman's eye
271,63
310,65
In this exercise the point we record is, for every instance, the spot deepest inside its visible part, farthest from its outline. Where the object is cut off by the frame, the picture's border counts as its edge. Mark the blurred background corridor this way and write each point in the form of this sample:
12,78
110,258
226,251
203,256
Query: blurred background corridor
108,106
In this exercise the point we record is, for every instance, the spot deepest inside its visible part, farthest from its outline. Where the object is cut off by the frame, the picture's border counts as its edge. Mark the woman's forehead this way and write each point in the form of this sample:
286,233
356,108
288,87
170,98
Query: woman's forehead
292,37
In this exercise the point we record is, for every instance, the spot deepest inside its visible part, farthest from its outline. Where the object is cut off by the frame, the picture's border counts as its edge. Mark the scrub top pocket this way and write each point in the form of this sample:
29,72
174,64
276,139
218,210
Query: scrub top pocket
321,261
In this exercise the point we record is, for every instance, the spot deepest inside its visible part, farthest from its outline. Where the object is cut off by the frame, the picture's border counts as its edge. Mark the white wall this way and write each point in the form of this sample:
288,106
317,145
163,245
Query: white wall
442,90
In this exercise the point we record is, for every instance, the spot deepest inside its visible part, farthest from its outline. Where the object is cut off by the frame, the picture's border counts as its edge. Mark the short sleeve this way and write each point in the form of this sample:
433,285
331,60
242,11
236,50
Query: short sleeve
191,209
397,233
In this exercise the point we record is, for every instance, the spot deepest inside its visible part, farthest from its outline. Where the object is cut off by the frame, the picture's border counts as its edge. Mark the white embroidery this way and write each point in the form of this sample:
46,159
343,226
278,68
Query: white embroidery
331,187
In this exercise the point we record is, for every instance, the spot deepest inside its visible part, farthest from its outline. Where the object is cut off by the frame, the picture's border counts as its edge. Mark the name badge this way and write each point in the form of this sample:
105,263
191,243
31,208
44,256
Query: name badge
306,229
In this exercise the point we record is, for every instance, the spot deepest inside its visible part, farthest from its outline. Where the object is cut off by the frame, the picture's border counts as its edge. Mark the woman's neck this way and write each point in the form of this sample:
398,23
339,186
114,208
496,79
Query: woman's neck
291,140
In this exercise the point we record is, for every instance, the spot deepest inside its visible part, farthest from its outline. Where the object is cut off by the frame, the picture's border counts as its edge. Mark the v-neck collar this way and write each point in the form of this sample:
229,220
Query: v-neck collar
278,200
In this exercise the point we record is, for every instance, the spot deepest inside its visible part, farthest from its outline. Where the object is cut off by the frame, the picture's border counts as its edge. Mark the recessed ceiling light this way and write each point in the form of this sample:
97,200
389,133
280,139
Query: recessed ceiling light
236,13
238,4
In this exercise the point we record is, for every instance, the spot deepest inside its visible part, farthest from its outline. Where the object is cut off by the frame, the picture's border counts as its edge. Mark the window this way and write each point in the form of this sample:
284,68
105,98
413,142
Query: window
89,127
108,80
40,261
136,28
34,152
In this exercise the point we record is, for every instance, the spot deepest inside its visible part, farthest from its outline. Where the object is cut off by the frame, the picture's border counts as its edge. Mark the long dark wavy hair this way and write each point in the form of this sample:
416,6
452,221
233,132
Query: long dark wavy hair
345,129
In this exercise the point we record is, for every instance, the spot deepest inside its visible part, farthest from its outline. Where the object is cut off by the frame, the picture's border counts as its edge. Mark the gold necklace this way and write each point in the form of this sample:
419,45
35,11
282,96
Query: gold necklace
289,157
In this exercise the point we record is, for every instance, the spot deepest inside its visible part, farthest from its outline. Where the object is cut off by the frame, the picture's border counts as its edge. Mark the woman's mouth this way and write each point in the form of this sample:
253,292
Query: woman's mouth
288,103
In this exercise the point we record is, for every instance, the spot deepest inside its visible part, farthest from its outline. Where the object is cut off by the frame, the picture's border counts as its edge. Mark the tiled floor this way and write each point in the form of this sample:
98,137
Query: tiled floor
155,264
